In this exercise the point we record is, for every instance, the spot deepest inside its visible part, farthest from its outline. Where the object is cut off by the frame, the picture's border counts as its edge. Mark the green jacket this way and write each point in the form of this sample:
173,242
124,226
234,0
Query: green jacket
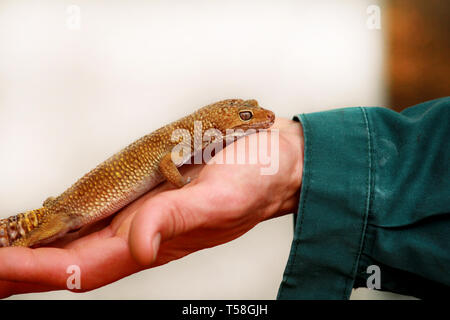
375,191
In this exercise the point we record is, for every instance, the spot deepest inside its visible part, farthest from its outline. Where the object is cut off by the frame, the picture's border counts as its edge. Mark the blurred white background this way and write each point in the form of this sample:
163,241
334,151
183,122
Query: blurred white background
70,97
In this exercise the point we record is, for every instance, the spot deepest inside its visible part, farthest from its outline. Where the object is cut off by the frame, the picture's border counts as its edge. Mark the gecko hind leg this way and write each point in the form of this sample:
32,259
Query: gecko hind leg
54,227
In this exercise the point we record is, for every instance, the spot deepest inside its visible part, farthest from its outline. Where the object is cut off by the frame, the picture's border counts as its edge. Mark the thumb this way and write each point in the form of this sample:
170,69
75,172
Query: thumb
161,218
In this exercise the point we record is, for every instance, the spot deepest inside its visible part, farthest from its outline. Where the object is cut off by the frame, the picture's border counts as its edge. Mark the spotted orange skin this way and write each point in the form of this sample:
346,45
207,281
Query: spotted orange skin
124,177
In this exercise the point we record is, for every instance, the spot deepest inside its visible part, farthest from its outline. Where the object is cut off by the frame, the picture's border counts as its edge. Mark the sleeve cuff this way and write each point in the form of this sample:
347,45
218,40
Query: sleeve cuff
334,205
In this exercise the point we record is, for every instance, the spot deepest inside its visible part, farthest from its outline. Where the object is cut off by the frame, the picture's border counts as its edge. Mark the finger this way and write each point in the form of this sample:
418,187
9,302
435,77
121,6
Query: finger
9,288
164,217
119,224
49,266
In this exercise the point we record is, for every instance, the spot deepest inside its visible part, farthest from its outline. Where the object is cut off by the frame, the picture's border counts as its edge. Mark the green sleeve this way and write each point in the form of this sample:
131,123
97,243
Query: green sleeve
375,191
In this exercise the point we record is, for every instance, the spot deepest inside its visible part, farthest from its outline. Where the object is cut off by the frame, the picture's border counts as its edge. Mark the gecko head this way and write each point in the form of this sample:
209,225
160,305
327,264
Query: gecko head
240,114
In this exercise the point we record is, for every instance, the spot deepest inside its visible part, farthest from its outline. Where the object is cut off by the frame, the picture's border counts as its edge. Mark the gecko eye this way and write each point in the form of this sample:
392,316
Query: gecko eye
245,115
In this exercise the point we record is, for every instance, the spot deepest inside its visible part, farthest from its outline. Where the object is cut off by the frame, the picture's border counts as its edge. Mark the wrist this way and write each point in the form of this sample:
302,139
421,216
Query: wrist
291,154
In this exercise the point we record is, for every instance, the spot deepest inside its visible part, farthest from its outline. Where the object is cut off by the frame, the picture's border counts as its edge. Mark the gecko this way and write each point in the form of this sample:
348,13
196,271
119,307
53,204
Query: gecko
128,174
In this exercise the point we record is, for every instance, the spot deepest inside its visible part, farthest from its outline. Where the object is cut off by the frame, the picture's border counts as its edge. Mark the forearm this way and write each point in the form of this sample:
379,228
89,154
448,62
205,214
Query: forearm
370,196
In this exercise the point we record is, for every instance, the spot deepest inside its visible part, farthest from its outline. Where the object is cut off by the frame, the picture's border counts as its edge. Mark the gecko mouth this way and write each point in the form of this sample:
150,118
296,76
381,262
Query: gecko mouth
263,125
256,126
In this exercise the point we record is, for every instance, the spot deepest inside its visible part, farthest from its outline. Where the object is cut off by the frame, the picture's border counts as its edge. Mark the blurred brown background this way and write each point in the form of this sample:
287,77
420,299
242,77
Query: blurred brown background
418,51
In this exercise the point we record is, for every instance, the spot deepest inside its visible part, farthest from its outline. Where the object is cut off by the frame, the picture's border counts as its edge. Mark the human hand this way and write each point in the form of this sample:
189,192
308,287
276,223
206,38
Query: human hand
222,202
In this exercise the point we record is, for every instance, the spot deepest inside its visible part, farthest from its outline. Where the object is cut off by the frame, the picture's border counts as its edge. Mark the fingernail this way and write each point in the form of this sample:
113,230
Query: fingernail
155,244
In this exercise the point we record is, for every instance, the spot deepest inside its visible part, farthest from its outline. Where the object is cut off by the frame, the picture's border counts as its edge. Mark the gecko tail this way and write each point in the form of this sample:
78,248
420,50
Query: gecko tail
17,227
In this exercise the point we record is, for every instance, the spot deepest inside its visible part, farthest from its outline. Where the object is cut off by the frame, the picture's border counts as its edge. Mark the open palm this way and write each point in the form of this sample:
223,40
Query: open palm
221,203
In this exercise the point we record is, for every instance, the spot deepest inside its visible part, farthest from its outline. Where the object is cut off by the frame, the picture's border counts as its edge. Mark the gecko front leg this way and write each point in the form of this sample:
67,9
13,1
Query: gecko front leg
170,171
